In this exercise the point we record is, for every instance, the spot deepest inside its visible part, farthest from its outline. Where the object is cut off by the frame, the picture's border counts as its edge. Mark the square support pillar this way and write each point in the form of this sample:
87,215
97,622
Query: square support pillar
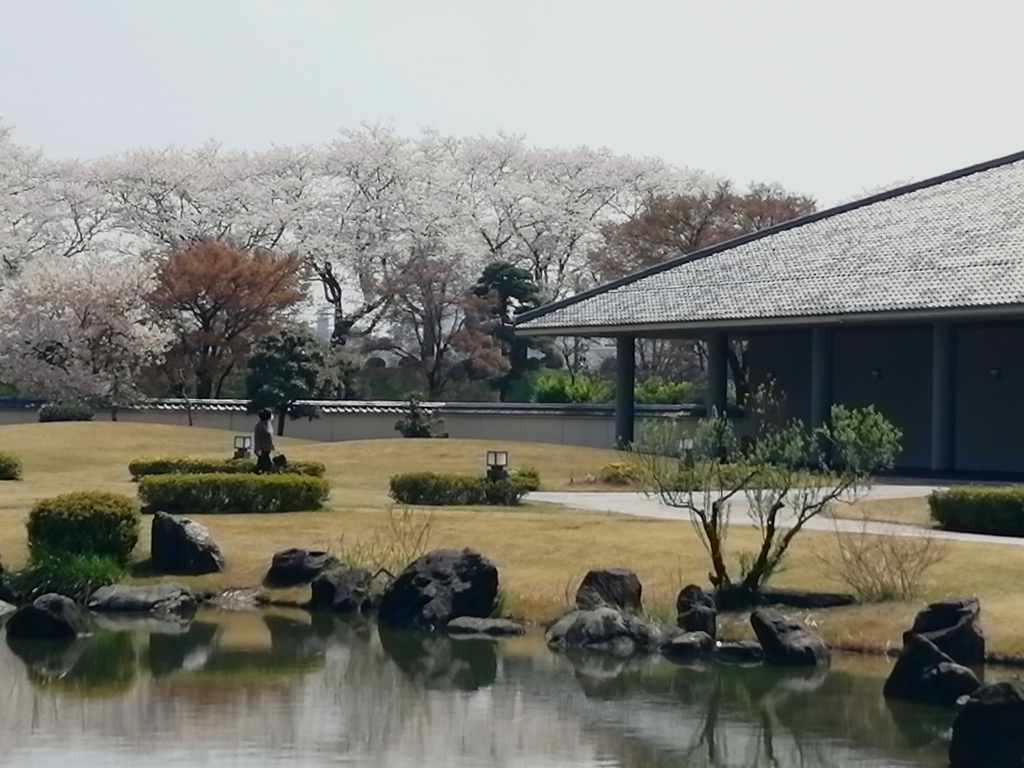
718,373
625,383
943,397
822,376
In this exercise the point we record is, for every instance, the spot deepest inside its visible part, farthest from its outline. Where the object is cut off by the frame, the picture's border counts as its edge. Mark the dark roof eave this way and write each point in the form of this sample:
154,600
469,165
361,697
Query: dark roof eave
951,314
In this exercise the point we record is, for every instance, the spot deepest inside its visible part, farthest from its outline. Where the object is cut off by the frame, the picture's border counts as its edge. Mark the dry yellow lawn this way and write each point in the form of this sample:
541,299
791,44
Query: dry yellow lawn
541,551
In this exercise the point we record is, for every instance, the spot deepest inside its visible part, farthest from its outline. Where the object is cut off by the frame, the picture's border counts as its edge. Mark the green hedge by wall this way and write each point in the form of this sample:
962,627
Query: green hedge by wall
232,492
998,511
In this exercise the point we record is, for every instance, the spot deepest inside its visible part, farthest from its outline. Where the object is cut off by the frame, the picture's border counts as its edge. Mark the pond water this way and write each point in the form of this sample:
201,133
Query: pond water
280,688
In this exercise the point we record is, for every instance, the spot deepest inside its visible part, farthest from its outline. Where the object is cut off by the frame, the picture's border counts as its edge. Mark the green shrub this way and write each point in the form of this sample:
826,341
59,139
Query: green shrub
232,492
189,465
660,391
84,523
528,477
619,473
66,573
561,387
10,466
431,488
66,411
998,511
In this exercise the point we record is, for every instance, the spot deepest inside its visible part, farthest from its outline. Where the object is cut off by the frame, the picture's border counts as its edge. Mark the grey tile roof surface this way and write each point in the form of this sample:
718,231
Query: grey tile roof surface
952,243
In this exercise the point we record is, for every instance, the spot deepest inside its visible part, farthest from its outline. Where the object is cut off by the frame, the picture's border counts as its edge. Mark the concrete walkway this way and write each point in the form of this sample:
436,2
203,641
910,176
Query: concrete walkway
651,507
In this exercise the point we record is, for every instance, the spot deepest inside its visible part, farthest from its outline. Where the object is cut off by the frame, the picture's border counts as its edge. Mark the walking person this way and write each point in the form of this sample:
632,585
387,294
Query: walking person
263,442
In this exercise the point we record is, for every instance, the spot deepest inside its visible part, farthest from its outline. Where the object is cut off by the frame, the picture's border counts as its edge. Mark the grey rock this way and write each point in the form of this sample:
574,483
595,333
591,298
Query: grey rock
603,630
343,590
687,646
954,627
48,617
470,625
989,729
438,587
158,599
924,674
695,611
181,546
740,652
786,642
291,567
612,587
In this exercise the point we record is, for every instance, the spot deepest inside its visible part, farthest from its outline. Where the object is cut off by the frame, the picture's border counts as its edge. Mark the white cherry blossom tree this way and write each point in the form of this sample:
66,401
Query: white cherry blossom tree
78,328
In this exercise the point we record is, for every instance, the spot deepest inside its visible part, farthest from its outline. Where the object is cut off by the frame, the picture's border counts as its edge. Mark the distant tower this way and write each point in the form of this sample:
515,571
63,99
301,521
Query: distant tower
323,325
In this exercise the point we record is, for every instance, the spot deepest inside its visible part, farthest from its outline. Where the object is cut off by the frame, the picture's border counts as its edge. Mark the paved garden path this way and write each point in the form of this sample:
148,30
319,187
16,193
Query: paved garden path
640,505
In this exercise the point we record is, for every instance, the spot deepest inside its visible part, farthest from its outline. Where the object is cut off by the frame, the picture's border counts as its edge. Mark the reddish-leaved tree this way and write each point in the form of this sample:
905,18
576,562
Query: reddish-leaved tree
668,227
216,299
437,326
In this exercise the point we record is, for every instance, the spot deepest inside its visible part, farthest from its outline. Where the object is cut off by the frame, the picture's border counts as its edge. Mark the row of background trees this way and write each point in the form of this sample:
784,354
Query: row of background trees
168,272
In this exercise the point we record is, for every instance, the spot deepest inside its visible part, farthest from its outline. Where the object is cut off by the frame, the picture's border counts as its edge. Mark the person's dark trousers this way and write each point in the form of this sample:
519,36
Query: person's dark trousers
263,463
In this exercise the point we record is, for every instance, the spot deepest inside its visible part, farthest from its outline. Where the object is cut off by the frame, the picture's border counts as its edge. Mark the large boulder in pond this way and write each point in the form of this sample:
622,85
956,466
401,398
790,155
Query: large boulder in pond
954,627
688,646
48,617
291,567
181,546
159,599
924,674
603,630
342,590
788,643
612,587
438,587
696,612
989,729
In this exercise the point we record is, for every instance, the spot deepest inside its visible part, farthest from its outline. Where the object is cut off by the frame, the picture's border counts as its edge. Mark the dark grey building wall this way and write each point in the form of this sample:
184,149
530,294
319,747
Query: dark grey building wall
890,368
990,390
786,355
902,390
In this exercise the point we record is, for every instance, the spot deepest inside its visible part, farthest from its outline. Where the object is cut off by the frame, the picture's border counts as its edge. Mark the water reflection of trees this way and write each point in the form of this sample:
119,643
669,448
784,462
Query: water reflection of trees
764,716
382,697
101,664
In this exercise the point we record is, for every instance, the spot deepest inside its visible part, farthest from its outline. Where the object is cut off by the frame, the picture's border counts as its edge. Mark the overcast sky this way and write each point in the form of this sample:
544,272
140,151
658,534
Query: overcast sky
827,97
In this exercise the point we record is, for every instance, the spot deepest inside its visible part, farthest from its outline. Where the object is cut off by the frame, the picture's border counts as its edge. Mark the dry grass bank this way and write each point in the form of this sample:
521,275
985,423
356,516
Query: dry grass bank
541,551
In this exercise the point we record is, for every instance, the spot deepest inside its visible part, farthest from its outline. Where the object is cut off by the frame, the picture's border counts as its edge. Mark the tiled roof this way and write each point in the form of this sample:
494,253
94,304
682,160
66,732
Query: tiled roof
952,242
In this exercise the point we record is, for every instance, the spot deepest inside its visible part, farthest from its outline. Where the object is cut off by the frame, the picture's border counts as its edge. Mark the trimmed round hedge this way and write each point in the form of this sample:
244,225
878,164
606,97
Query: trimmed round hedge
10,466
85,523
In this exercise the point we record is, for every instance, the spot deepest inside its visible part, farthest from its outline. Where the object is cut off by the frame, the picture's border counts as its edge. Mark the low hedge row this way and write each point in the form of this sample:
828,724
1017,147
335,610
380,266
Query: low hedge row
10,466
190,465
997,511
431,488
84,523
232,492
66,411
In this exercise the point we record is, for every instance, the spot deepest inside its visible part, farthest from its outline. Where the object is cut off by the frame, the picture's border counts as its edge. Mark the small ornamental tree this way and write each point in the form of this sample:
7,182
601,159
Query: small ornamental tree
782,472
288,367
